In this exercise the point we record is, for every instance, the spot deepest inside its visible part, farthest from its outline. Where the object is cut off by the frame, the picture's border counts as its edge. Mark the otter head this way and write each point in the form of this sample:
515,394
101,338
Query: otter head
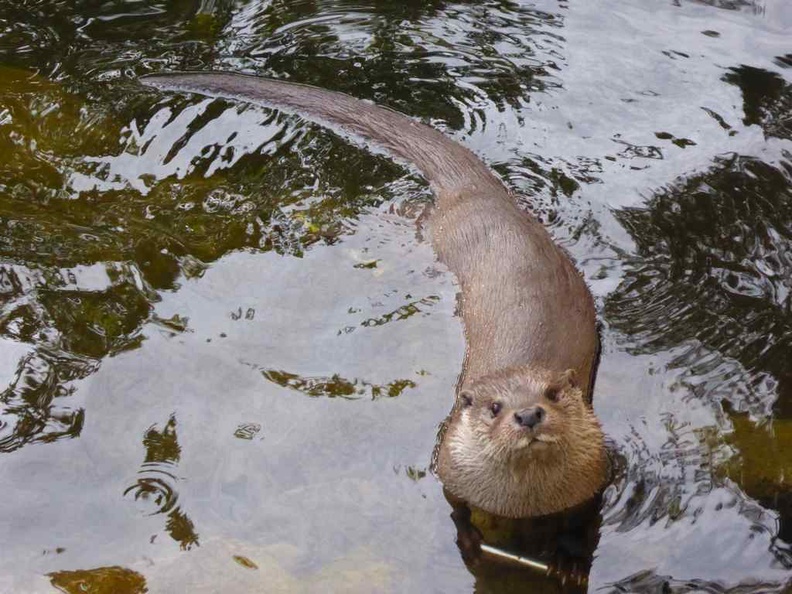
522,442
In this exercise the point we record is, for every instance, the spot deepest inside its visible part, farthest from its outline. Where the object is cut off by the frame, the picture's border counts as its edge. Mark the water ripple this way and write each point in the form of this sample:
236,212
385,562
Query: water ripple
154,487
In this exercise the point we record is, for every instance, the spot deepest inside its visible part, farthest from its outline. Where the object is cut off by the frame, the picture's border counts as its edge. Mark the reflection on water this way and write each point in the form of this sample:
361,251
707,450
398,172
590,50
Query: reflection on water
337,387
648,582
102,580
761,466
404,54
767,99
176,268
713,269
157,480
710,282
30,411
564,543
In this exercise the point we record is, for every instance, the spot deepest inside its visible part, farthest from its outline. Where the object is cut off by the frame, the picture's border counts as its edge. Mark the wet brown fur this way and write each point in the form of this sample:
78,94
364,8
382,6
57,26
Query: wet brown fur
527,313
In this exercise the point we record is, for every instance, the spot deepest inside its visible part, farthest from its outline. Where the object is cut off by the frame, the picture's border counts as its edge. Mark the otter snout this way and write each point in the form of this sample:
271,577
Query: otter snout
530,417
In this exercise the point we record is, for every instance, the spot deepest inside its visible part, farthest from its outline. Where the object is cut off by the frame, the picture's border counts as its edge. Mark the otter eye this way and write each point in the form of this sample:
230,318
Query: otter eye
496,408
553,393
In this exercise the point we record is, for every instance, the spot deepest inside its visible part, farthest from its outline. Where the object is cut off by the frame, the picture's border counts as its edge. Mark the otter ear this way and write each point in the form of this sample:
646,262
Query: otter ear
465,398
566,381
569,379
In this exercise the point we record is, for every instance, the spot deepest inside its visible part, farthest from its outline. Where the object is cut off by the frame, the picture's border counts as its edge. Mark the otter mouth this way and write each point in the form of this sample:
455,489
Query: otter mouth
533,442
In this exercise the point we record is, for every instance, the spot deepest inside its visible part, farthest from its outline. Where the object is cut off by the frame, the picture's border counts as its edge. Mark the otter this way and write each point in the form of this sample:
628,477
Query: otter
521,439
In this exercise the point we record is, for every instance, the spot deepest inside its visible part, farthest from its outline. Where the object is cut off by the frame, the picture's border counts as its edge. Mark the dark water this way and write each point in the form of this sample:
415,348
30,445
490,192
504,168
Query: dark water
225,353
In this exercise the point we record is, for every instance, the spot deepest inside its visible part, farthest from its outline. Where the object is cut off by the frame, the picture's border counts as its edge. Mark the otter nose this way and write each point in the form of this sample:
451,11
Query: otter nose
530,417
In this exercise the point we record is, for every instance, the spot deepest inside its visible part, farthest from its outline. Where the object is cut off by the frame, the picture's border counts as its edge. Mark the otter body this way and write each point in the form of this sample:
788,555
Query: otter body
523,302
521,439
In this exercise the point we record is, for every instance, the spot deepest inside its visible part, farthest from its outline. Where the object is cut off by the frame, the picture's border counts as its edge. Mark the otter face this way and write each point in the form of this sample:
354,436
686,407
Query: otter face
522,442
525,415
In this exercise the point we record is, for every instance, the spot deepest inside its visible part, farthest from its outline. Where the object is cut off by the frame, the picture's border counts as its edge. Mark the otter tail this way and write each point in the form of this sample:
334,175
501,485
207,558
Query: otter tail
451,168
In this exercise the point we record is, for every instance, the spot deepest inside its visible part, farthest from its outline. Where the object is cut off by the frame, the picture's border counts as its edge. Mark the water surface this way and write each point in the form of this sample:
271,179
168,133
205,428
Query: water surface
225,350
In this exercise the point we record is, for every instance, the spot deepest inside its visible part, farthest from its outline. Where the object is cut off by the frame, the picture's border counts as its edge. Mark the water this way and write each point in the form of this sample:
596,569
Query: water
225,350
